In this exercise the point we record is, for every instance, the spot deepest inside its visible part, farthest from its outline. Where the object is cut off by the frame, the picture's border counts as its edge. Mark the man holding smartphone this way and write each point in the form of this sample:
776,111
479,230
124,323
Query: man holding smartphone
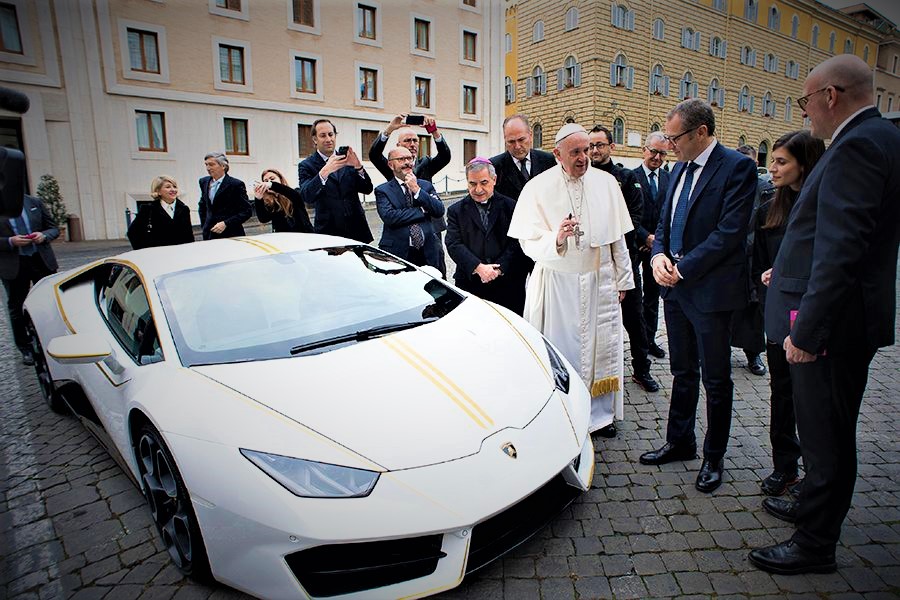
25,258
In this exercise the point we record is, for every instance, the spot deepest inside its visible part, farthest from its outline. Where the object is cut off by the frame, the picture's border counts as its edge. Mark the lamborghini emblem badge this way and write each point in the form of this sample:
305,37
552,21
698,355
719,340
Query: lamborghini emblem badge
509,450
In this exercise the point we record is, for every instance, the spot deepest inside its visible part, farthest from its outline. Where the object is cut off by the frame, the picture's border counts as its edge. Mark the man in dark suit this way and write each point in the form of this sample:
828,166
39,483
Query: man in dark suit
520,162
600,152
489,263
407,205
698,259
654,184
25,257
836,268
332,182
425,168
224,205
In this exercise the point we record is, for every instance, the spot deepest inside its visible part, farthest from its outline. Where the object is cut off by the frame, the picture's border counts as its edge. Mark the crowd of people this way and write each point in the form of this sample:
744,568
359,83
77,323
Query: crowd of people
584,250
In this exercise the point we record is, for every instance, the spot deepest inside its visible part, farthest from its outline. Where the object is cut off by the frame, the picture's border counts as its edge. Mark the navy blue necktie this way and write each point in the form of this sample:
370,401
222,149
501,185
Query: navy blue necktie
681,210
653,189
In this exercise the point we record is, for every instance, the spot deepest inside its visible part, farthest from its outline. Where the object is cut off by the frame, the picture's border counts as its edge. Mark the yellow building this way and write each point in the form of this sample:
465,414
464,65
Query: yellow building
625,64
123,90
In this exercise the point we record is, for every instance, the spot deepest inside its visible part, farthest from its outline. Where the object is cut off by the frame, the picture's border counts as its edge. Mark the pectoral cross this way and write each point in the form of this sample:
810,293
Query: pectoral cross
578,234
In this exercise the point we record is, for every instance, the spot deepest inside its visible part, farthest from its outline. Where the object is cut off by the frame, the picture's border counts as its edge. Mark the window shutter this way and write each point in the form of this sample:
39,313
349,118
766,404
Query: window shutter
681,89
774,64
629,20
684,37
712,50
544,84
696,90
577,74
630,83
560,79
752,104
722,97
666,85
724,48
612,14
529,87
753,58
697,41
612,74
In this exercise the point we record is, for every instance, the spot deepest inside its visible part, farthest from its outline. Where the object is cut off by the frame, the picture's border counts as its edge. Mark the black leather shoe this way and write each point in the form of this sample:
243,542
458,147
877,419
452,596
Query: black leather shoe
780,508
609,431
668,453
710,475
777,483
755,365
646,382
787,558
794,489
656,352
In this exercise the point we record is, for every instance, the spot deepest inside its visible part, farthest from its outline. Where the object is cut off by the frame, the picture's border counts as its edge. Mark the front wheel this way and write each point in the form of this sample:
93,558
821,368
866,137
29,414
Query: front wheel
45,380
170,504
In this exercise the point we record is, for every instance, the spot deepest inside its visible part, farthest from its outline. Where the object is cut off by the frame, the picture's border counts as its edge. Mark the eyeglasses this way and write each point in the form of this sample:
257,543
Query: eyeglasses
401,159
598,145
674,138
655,152
804,100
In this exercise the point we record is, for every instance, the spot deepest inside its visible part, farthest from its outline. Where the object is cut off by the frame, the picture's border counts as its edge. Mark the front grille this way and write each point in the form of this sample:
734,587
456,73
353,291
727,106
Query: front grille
338,569
507,530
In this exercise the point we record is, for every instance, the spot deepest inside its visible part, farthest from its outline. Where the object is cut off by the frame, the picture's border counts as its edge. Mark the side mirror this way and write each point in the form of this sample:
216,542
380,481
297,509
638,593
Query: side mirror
78,349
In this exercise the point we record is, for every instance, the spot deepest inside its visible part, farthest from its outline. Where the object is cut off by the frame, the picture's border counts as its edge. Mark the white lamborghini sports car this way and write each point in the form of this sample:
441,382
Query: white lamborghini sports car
312,417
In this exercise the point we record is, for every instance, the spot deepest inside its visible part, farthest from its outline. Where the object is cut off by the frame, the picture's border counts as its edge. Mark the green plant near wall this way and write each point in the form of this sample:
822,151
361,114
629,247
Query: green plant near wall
48,192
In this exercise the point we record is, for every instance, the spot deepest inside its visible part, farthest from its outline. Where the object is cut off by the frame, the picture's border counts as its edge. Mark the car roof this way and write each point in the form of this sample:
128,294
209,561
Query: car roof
155,262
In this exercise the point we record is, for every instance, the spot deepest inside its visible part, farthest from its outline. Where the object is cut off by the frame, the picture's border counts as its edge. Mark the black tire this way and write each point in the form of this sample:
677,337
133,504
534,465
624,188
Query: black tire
45,380
170,504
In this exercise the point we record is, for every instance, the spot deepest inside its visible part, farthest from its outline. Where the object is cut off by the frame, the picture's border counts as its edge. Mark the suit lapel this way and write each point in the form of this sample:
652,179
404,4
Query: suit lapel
709,170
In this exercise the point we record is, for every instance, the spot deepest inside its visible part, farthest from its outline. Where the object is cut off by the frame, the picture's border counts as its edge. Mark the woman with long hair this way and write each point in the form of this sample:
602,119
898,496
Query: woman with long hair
280,204
164,222
793,157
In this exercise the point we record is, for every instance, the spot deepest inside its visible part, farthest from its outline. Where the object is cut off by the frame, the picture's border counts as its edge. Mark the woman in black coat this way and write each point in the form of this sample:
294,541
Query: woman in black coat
280,204
164,222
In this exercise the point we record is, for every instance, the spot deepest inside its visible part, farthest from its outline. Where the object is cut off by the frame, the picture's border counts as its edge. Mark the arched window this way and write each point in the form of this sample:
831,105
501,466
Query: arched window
688,87
570,74
537,34
744,100
814,37
748,56
659,29
848,46
768,105
621,17
509,90
742,141
537,135
507,43
620,74
763,154
771,64
654,127
715,95
719,5
774,18
618,131
751,10
717,47
795,26
659,83
831,40
537,83
788,109
571,19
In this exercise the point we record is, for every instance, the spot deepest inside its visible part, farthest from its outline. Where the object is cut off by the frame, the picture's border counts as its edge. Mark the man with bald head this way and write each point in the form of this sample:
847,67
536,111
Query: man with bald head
572,220
832,299
521,161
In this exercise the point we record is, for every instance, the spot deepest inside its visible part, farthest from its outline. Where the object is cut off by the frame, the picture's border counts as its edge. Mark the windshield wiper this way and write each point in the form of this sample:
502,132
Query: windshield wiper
359,336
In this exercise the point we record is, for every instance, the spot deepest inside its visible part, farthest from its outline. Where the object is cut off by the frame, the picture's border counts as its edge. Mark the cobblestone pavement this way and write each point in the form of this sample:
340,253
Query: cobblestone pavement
72,525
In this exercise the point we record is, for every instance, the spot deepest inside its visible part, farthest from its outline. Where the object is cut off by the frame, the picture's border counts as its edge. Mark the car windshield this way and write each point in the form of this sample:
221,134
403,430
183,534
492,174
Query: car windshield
297,303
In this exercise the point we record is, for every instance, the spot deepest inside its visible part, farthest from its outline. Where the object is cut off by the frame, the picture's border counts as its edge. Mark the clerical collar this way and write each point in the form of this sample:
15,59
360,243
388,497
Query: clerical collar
483,205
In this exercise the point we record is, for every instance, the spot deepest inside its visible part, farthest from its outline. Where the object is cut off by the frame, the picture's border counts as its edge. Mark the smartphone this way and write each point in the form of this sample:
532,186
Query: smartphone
342,151
415,119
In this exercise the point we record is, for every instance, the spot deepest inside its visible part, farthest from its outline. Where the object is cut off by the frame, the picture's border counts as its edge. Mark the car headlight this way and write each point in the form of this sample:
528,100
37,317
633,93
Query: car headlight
310,479
560,372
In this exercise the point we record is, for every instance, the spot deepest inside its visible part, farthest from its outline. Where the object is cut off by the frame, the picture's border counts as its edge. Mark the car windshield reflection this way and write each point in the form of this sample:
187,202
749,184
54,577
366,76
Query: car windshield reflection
307,302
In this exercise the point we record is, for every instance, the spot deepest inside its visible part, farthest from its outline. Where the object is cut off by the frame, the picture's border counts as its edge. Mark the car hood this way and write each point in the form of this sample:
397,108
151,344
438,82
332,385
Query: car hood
413,398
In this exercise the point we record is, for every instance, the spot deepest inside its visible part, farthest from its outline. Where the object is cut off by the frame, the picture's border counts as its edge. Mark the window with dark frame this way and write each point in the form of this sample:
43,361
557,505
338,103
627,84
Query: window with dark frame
366,21
151,130
424,146
236,137
305,75
304,140
470,97
470,46
231,64
229,4
367,138
10,38
368,84
470,2
423,92
470,150
423,29
143,50
304,13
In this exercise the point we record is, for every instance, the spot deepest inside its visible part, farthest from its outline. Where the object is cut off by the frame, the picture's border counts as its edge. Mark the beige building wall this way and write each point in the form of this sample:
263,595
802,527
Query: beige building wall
81,127
596,43
887,75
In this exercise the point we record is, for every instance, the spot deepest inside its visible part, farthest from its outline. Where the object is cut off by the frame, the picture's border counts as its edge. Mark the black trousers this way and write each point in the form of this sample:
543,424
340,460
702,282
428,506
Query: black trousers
699,339
827,396
633,321
782,422
31,270
650,295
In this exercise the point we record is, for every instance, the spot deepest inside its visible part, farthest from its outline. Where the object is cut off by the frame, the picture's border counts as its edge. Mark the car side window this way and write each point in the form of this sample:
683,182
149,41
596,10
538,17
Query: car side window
124,305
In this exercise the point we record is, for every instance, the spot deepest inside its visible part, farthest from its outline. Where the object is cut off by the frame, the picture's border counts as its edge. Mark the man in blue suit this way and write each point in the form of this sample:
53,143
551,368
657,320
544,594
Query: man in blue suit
332,182
698,259
656,148
832,300
407,205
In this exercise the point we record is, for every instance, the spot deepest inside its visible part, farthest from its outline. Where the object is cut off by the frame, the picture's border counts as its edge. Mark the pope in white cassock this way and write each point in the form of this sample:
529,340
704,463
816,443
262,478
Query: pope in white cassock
571,220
